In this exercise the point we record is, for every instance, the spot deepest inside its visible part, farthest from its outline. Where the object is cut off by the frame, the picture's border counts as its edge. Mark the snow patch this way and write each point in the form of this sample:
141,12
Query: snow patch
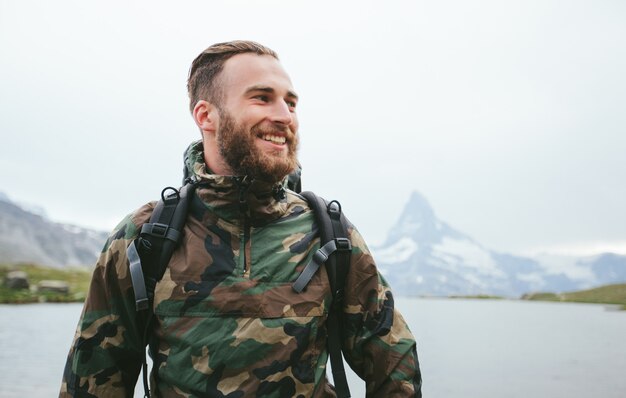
468,254
566,265
73,229
399,252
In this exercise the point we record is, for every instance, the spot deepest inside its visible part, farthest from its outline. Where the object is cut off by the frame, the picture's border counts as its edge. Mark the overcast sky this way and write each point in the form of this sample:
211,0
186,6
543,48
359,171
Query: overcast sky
508,116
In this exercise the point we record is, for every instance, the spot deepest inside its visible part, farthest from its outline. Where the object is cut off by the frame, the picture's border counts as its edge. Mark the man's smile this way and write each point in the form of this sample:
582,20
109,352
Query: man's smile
276,139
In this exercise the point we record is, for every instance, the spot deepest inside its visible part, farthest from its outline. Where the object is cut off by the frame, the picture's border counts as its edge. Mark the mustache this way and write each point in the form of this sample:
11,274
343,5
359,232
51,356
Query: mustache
273,128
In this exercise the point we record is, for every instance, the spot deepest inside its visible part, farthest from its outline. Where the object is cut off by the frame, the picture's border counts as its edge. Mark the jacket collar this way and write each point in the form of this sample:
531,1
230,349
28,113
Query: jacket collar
234,198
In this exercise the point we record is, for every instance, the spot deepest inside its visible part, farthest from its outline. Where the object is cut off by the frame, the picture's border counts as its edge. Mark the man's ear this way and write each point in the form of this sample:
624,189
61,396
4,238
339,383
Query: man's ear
206,116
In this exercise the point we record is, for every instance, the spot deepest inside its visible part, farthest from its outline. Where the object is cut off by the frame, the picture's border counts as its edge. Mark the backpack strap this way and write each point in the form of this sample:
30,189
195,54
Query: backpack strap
335,253
150,253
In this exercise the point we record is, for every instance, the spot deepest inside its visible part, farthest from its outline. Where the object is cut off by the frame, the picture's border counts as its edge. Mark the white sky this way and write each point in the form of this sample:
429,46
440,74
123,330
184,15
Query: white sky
509,116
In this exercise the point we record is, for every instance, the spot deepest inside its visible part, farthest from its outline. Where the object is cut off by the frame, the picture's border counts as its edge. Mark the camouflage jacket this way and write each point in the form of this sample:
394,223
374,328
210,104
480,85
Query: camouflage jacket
228,321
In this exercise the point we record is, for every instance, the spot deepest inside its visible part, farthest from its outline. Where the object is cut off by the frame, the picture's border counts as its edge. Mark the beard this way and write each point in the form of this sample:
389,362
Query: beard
237,146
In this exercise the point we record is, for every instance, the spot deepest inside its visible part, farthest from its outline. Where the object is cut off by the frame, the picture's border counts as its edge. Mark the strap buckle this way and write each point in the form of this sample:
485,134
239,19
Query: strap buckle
320,257
343,244
155,229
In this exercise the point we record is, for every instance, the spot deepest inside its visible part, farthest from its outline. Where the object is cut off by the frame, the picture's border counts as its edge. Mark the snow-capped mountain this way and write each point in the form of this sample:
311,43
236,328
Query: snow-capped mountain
424,256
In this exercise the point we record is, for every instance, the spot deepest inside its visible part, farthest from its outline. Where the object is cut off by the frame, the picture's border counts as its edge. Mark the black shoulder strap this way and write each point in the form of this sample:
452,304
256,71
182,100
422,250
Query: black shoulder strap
334,252
150,254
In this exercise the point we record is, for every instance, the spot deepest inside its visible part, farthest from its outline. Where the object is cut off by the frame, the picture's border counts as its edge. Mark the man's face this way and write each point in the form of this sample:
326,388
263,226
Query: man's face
257,129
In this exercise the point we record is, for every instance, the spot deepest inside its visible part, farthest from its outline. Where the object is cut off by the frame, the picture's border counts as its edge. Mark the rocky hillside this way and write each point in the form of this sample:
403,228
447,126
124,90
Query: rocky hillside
26,236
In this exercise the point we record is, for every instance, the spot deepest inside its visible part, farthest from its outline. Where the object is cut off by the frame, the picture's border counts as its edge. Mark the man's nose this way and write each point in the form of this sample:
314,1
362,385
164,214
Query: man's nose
281,113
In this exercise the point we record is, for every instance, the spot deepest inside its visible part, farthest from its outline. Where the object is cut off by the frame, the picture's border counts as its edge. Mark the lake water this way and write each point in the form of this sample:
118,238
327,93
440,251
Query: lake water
467,348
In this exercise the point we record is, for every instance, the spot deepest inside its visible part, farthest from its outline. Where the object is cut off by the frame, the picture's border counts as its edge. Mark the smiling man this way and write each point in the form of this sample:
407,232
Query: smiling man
228,321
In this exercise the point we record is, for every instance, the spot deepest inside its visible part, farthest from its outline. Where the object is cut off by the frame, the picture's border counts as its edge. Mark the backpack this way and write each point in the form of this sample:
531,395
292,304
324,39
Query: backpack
150,253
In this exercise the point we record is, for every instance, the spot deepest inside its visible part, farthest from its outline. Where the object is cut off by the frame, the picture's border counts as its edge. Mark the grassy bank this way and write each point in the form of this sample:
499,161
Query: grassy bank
77,279
609,294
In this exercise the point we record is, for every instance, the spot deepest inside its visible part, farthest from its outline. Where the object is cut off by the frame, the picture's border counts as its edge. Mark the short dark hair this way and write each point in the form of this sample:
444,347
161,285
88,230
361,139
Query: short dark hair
201,84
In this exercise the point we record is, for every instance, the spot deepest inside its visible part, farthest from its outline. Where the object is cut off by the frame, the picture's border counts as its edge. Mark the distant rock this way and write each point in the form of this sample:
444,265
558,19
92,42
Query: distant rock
16,280
53,286
29,237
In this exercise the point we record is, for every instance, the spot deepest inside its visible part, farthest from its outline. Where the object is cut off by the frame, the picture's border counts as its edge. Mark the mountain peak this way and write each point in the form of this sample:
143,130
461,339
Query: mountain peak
418,209
417,220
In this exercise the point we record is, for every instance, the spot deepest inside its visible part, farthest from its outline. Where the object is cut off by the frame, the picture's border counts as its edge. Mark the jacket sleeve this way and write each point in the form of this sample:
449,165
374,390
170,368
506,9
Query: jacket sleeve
106,355
378,344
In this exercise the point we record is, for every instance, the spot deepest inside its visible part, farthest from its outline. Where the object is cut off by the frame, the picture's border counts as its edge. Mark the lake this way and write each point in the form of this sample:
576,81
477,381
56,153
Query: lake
467,348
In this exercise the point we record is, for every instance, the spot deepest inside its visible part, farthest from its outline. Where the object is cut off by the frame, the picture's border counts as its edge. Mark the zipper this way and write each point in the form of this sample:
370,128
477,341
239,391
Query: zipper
246,241
244,185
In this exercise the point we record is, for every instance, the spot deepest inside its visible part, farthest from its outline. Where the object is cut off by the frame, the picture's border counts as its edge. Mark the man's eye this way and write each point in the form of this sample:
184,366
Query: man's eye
263,98
292,104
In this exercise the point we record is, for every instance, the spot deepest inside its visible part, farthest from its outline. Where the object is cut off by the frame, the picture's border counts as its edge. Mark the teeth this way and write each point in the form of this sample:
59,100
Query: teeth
274,138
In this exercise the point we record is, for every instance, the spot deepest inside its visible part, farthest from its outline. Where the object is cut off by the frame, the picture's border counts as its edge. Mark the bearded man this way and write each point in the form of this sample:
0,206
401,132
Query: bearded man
227,321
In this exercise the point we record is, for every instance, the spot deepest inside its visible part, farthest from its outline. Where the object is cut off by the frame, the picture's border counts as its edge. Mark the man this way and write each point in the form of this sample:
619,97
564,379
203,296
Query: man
228,323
